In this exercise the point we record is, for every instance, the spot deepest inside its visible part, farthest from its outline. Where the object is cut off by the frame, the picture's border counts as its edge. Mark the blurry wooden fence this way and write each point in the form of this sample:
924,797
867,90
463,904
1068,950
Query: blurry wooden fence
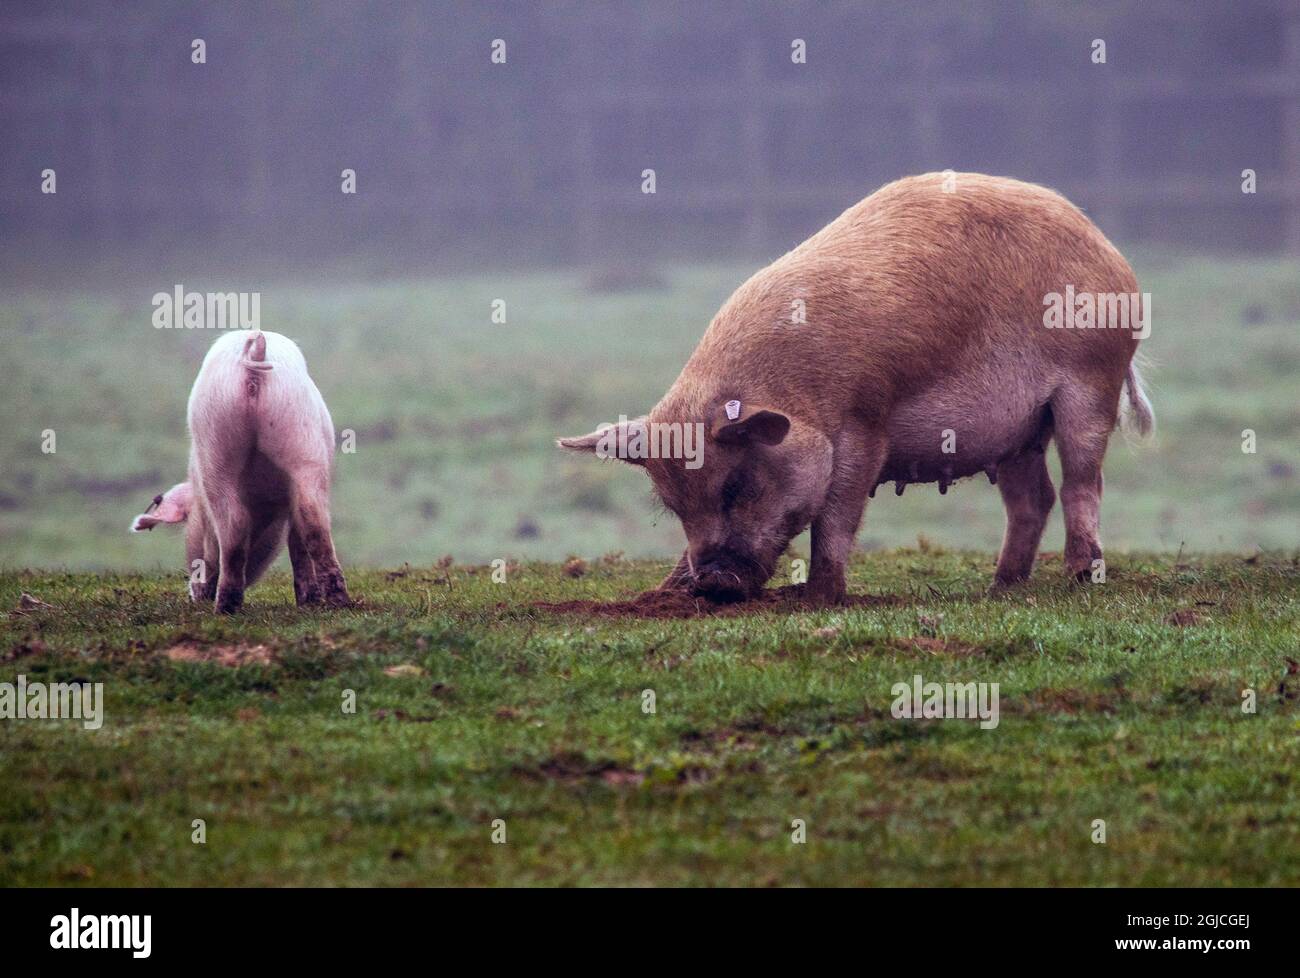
566,178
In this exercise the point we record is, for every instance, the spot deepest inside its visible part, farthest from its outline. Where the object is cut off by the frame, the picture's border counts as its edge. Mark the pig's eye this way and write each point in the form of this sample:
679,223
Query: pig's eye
738,488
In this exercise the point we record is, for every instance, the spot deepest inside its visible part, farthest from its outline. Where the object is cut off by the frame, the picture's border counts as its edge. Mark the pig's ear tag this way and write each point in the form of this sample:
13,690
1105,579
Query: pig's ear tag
733,410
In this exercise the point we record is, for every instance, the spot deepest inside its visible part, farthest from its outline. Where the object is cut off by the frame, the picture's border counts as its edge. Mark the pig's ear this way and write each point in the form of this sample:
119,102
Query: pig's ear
741,424
173,506
609,441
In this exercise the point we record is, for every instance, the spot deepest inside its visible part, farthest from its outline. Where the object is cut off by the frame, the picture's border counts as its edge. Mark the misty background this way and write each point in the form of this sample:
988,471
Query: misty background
521,182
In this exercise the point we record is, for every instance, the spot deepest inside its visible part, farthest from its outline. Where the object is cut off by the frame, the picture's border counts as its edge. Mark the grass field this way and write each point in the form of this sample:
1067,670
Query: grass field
455,417
1121,701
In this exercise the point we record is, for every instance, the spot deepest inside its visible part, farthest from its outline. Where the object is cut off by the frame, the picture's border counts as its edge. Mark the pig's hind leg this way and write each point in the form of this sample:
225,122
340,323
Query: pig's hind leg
1028,496
267,538
201,558
1085,416
233,527
311,520
305,589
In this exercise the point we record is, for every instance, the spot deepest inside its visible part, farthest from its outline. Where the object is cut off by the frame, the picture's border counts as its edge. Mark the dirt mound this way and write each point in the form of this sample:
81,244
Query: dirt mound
231,656
680,604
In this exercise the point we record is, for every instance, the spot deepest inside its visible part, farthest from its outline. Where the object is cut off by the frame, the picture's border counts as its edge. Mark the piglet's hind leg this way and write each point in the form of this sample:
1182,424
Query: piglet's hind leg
311,522
305,589
232,526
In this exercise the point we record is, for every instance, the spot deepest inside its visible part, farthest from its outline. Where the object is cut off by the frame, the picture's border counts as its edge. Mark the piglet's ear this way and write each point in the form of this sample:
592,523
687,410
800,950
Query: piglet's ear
173,506
145,521
735,423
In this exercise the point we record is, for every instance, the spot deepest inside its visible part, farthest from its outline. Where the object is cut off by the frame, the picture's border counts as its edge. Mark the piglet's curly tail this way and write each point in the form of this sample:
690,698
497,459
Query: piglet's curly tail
254,356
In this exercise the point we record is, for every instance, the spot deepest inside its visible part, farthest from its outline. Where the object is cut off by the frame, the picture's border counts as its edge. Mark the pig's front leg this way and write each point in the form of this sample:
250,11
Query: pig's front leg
680,577
859,456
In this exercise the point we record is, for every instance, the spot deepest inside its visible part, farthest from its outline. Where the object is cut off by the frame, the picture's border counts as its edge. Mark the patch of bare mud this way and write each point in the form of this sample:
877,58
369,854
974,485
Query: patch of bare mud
573,769
681,604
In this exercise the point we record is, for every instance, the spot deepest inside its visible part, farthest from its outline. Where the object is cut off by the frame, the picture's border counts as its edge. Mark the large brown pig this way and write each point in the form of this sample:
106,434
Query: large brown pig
926,334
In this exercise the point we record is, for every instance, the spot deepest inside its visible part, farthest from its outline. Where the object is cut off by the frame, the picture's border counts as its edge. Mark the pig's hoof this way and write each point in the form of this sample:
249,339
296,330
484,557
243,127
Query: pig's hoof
1086,575
1083,567
824,597
228,604
1001,585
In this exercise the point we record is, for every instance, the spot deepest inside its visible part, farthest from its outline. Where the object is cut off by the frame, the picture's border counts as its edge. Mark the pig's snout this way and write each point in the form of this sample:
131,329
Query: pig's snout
727,573
716,582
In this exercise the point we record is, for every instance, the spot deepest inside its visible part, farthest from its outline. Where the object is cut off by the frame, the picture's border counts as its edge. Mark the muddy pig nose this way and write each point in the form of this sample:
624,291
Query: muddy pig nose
717,583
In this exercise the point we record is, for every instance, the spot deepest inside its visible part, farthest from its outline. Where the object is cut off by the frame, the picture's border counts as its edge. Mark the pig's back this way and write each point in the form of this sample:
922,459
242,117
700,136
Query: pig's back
279,410
912,285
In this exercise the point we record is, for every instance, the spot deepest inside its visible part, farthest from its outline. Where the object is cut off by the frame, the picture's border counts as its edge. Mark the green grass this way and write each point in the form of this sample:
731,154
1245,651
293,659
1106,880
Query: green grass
455,417
1107,712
